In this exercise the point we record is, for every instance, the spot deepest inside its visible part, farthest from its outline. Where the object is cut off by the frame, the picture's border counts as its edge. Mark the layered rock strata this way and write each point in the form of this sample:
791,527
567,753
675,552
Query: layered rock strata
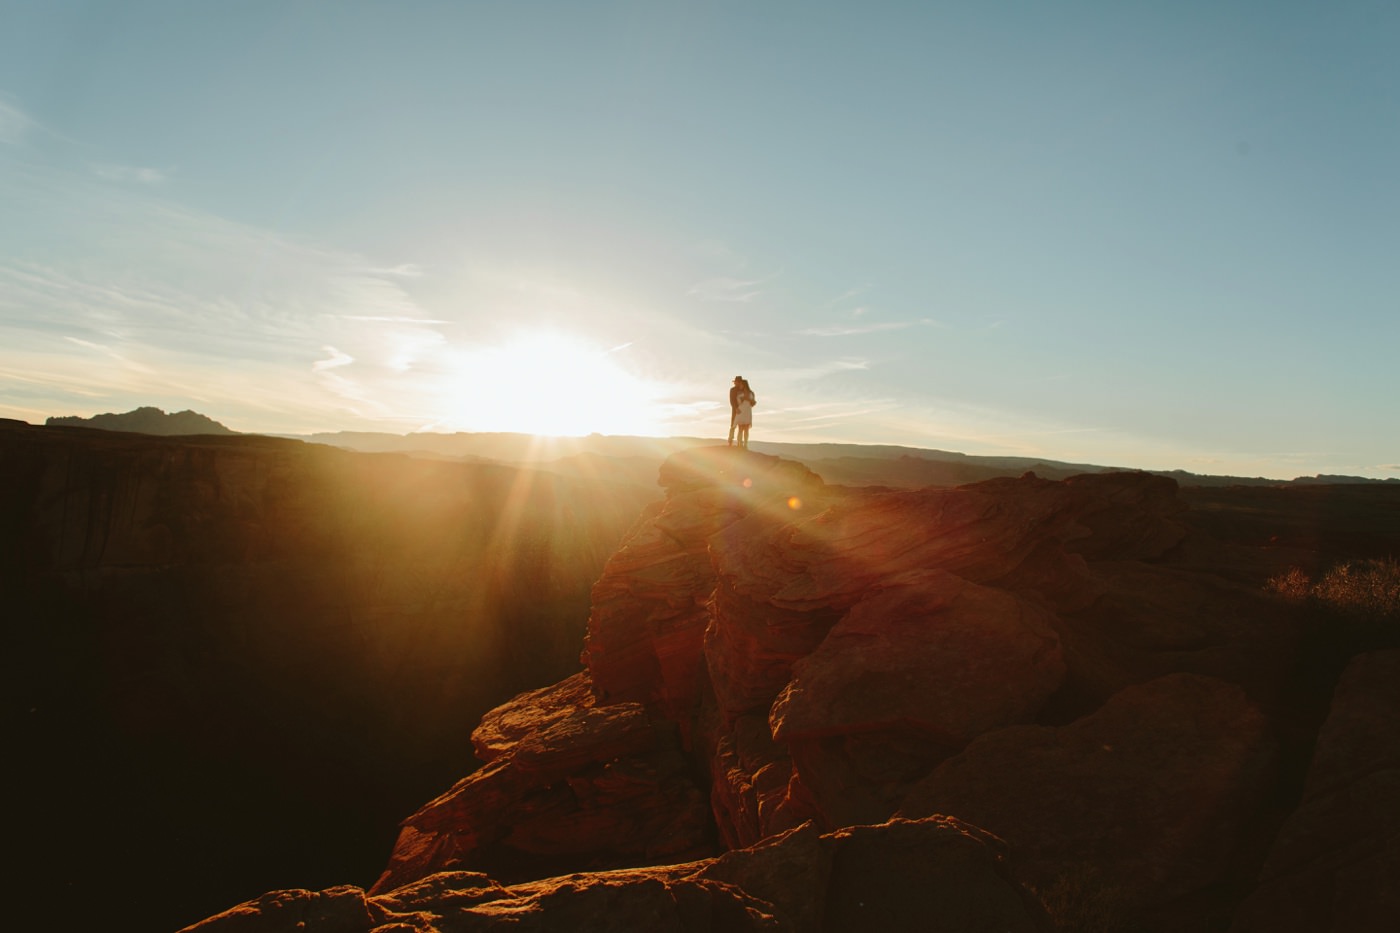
836,657
922,875
926,709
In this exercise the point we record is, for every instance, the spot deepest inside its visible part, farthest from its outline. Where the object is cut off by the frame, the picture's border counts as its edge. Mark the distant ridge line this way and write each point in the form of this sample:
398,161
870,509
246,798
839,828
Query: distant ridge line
146,420
837,463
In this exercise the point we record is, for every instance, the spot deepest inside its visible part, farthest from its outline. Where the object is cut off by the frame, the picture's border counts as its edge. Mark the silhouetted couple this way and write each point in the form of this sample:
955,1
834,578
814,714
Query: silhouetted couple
741,403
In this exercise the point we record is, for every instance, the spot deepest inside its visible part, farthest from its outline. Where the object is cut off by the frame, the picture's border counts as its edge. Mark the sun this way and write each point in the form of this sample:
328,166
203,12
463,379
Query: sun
550,383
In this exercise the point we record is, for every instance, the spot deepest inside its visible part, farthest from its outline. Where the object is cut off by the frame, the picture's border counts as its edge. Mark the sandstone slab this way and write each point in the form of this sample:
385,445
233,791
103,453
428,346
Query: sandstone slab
1335,865
1148,793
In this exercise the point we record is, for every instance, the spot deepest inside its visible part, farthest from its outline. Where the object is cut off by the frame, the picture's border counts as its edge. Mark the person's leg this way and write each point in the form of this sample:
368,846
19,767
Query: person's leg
732,419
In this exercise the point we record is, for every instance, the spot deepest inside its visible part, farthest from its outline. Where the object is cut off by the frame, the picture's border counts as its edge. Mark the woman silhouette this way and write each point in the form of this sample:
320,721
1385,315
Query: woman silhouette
744,401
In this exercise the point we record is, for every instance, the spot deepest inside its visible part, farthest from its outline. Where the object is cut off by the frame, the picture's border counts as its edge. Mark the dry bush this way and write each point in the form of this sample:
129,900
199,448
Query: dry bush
1078,901
1365,589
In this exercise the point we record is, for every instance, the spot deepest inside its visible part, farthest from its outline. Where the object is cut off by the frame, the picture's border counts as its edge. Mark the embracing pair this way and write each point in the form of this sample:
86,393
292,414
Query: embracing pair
741,403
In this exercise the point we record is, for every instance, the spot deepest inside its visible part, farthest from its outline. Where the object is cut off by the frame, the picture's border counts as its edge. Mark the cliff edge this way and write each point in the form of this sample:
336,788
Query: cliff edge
1017,704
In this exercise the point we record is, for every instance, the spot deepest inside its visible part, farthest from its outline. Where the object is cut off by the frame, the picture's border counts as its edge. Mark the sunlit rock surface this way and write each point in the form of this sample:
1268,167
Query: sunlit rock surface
934,874
590,787
915,707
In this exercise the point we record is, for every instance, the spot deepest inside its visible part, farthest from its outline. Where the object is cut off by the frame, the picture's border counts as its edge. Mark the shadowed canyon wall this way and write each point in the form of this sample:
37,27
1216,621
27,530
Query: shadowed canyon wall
233,664
1017,704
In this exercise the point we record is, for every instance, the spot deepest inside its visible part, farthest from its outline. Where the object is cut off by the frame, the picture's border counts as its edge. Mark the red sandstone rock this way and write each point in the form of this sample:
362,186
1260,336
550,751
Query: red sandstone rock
835,557
752,641
822,651
511,723
920,669
784,579
647,624
1147,793
1153,620
882,657
935,874
595,787
931,653
750,784
646,629
761,477
341,908
1336,863
1127,516
835,656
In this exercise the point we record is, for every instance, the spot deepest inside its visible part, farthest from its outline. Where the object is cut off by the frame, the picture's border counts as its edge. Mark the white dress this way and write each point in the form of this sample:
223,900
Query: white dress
745,416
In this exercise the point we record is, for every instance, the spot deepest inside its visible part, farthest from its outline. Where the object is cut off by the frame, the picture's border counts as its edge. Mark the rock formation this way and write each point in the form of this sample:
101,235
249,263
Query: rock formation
1336,862
239,660
1018,704
934,874
146,420
1073,674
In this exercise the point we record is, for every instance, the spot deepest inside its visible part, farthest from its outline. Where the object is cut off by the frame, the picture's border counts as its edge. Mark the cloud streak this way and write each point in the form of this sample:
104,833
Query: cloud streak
127,174
852,330
121,295
333,359
724,289
15,124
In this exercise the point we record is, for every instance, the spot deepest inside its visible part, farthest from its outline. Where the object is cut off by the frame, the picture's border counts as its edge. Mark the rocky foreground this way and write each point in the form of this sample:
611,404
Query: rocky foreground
1013,705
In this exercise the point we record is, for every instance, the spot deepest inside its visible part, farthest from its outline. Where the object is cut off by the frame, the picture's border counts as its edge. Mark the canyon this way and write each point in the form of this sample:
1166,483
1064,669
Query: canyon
1022,703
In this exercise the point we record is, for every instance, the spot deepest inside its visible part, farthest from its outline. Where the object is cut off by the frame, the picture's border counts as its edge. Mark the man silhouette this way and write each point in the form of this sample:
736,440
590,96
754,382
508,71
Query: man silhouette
734,391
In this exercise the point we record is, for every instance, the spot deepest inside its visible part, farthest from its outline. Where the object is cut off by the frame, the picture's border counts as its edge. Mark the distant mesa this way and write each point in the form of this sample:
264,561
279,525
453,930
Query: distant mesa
146,420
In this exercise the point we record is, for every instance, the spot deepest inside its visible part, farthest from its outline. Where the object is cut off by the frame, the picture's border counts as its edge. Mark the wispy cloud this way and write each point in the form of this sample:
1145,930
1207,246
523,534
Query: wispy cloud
851,330
848,295
836,412
127,174
823,368
333,359
108,352
126,296
726,289
15,124
395,320
407,270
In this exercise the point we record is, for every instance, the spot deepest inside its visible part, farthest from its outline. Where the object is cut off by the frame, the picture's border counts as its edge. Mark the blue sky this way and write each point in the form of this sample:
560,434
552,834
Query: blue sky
1138,234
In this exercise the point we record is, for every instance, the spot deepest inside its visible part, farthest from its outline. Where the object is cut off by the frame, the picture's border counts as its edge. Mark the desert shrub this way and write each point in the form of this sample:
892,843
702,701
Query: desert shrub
1367,590
1294,584
1078,901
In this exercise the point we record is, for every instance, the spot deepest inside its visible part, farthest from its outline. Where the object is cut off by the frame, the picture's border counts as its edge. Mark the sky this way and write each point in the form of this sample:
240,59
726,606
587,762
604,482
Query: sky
1138,234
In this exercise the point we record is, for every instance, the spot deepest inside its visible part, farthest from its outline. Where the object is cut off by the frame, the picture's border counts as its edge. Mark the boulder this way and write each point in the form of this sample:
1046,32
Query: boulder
1155,619
907,677
344,909
1147,795
922,875
930,652
1335,865
646,630
751,784
595,787
647,624
531,713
